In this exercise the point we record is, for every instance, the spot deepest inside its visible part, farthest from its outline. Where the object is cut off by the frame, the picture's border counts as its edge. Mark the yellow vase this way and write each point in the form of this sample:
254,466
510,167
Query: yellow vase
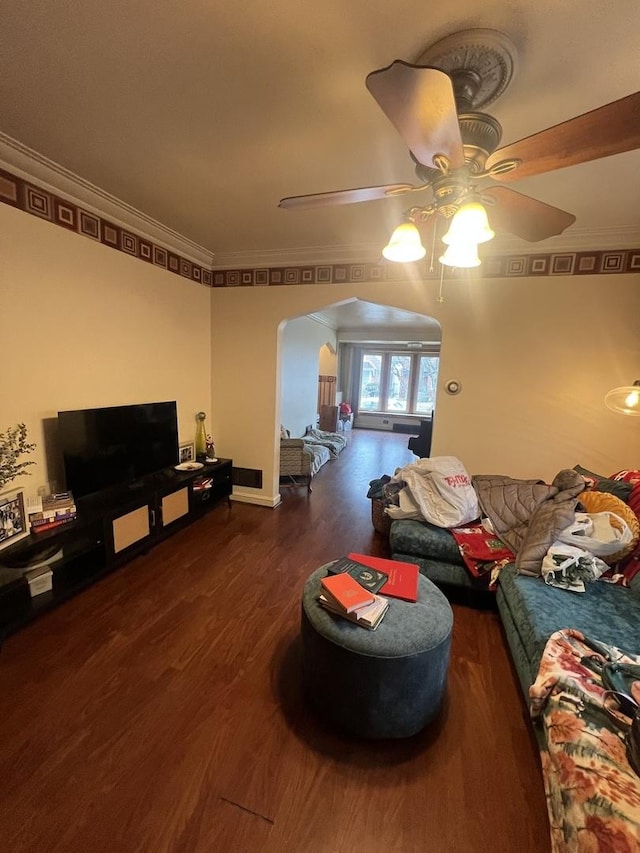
201,437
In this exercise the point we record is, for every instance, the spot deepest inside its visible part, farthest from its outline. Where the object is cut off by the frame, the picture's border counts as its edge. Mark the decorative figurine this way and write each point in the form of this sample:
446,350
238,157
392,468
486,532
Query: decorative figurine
211,451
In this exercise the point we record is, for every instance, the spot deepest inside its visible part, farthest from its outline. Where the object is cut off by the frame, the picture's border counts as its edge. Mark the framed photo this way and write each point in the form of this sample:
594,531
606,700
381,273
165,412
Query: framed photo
187,453
13,518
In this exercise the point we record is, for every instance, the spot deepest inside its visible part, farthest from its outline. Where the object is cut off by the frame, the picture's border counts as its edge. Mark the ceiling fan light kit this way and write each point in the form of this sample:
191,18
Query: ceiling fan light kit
405,244
624,400
469,225
435,107
461,255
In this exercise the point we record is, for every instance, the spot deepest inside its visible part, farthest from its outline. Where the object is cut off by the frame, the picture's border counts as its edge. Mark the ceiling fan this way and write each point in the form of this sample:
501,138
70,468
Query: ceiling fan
435,106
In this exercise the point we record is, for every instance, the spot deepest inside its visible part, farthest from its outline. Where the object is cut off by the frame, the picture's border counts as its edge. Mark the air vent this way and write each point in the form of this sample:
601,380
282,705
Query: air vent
414,345
249,477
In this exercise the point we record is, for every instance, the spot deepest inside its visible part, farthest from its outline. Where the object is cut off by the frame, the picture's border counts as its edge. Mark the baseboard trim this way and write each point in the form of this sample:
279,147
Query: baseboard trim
250,497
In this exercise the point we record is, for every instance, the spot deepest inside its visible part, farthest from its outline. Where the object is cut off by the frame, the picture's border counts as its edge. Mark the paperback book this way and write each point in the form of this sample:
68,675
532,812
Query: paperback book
370,577
51,525
368,616
345,592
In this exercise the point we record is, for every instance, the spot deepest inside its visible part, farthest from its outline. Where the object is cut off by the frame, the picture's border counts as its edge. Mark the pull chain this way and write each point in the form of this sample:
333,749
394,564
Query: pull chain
433,243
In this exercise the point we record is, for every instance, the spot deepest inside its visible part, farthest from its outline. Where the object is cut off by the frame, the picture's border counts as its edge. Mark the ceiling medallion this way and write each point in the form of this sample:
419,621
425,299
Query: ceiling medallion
487,56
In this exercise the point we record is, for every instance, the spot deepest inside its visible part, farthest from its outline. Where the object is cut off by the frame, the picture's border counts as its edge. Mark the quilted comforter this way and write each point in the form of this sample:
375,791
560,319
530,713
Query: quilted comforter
528,515
593,793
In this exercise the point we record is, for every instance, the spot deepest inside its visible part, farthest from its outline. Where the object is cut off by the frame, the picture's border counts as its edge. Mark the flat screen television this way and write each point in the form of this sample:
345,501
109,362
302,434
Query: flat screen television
117,445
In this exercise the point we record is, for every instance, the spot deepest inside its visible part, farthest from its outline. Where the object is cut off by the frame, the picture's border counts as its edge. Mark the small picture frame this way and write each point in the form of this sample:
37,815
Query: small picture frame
13,518
187,453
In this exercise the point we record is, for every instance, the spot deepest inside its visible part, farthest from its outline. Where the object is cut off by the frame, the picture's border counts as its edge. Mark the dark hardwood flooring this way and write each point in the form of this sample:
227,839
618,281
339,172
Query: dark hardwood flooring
159,710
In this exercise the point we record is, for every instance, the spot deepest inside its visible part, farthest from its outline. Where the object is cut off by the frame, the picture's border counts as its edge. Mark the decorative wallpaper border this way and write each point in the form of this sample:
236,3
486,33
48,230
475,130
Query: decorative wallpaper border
32,199
28,197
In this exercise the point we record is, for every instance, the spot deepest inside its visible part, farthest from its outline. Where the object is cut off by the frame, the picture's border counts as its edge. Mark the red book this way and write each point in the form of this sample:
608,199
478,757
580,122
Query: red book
346,592
403,577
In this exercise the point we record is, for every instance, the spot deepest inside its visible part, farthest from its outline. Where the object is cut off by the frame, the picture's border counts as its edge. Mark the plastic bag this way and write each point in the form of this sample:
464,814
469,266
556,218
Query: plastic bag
568,567
599,533
440,491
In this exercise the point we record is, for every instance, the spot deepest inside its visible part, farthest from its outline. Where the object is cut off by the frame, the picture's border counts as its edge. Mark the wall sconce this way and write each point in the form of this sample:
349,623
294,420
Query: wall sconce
624,400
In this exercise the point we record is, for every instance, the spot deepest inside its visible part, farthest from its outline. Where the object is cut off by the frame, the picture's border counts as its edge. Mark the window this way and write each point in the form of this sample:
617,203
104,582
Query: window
394,382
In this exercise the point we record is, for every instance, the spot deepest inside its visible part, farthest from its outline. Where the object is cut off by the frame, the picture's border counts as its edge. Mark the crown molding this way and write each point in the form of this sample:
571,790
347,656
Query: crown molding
47,175
574,240
302,256
51,176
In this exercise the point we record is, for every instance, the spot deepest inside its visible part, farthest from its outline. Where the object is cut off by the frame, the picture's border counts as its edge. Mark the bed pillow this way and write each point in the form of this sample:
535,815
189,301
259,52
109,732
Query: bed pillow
598,483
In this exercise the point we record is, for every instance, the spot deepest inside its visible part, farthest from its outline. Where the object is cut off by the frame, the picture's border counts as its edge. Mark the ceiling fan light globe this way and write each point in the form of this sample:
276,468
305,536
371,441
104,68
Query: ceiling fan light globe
624,400
463,256
469,225
405,245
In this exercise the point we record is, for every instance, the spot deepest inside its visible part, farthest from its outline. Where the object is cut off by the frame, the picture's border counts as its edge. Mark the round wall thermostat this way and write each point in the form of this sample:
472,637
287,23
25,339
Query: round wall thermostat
452,386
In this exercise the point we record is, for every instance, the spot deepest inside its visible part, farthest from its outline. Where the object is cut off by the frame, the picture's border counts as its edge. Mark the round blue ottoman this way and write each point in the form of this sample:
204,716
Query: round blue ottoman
387,683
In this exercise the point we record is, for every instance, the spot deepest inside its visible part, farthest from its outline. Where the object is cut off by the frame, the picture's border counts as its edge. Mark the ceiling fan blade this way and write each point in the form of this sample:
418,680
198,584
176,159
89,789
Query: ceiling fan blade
307,202
514,213
421,105
608,130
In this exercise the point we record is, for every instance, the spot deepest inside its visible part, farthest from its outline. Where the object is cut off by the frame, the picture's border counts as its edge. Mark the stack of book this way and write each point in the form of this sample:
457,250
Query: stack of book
344,596
202,483
353,582
51,511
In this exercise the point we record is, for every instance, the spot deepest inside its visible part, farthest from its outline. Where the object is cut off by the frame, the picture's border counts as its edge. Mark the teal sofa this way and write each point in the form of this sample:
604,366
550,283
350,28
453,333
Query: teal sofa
530,609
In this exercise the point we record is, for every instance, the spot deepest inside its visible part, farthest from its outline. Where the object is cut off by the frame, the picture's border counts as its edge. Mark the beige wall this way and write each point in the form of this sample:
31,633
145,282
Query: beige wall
535,357
83,326
302,343
328,360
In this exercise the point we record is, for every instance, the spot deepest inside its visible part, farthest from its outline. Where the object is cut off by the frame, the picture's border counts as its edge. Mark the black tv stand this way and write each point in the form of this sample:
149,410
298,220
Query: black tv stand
112,527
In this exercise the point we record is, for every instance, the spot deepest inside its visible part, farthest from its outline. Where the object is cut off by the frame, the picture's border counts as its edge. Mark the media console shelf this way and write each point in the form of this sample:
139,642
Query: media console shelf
112,527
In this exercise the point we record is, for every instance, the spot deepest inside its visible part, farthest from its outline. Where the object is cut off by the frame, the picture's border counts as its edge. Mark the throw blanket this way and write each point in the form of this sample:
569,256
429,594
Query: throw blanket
593,794
334,442
483,553
528,514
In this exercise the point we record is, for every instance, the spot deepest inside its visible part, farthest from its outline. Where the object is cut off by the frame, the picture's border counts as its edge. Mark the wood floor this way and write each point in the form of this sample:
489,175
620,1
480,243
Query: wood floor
160,710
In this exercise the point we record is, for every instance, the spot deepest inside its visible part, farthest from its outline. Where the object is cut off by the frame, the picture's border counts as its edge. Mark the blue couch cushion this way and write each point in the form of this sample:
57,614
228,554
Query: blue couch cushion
604,612
408,536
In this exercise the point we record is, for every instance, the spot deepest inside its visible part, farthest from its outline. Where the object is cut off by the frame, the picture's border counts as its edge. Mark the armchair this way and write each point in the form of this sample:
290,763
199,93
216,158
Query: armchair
295,460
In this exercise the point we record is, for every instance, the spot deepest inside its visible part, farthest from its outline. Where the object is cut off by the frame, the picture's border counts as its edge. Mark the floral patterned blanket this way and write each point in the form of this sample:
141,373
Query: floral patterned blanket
593,793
